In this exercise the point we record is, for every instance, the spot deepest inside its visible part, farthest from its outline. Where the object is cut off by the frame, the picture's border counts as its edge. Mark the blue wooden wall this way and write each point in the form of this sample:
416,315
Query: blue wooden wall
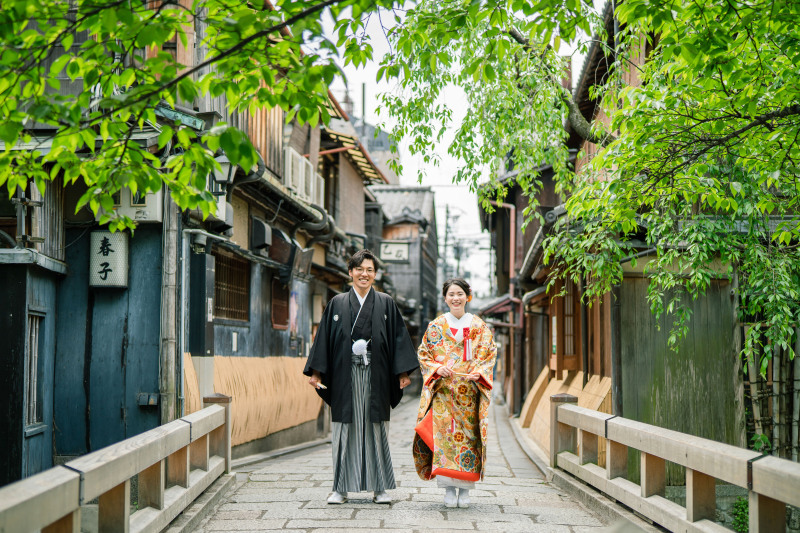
26,448
108,347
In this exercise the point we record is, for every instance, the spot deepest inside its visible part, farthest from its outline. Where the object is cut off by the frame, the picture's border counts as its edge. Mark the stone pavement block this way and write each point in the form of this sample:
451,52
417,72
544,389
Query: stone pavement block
353,502
254,476
391,517
237,525
348,530
371,525
573,517
238,515
545,501
513,527
291,484
438,505
533,495
257,506
316,493
333,512
283,496
484,513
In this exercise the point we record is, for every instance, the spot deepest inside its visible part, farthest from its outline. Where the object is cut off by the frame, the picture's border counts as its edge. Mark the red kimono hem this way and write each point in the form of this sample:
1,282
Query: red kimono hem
456,474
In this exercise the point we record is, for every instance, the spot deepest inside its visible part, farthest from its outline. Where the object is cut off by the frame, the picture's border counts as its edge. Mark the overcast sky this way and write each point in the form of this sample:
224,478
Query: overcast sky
457,199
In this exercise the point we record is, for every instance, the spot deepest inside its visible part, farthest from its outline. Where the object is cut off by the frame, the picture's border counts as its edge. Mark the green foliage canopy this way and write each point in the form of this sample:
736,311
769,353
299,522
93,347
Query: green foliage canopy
79,78
699,163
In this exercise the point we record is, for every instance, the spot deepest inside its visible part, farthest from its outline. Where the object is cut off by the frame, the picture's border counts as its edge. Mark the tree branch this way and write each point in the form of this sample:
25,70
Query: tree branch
574,116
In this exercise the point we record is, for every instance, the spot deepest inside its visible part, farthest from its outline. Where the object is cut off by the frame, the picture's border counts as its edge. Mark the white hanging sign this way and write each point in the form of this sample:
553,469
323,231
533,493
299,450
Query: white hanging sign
108,259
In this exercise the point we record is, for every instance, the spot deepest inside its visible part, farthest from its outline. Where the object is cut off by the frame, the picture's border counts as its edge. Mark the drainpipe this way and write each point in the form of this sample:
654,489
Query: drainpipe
325,237
616,353
584,335
310,225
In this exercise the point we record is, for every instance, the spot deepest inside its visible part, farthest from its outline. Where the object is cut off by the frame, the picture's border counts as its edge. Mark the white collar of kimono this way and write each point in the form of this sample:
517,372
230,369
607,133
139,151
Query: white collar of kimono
458,324
361,299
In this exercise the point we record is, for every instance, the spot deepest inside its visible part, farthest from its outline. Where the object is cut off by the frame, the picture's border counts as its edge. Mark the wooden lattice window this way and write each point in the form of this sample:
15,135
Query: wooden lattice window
33,370
231,286
280,305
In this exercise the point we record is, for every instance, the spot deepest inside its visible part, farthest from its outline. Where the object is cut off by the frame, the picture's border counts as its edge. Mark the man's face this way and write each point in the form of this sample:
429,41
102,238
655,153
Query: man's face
363,275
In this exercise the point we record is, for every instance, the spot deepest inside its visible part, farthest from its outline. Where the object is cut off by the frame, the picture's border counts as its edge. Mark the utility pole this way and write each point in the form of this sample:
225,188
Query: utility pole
446,233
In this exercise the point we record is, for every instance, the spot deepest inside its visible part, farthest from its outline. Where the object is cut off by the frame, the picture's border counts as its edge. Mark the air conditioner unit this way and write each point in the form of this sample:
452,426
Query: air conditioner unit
140,207
319,190
308,181
293,169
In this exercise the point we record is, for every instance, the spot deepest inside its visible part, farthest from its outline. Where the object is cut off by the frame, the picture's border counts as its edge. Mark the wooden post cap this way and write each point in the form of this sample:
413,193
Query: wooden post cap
563,398
217,398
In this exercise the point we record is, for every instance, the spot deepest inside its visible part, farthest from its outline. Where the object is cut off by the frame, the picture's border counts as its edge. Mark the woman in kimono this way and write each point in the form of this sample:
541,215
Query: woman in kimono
457,357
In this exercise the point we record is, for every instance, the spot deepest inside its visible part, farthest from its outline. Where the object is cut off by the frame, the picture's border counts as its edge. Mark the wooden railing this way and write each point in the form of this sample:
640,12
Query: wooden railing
175,463
772,482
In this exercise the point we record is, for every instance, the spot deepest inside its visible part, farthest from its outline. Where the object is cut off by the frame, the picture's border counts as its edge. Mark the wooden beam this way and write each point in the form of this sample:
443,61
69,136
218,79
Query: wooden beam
114,509
562,436
766,515
221,437
653,475
616,460
587,447
178,468
701,496
70,523
198,453
152,482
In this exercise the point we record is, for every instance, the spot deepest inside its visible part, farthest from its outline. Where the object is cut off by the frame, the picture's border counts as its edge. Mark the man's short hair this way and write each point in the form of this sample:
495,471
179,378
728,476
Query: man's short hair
359,258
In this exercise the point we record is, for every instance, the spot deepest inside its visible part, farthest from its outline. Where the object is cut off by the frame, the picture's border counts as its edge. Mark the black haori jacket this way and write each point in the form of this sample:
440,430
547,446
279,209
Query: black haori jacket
392,354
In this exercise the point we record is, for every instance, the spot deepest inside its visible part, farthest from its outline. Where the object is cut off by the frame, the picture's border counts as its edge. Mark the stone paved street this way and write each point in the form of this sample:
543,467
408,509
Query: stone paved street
288,494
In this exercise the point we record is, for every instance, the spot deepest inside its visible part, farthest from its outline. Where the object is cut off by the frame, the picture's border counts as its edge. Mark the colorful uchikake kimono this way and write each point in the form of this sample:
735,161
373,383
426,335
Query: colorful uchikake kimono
453,417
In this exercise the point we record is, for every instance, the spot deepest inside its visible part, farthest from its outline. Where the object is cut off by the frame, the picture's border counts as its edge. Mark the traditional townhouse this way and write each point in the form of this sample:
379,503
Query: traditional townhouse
410,250
109,335
611,353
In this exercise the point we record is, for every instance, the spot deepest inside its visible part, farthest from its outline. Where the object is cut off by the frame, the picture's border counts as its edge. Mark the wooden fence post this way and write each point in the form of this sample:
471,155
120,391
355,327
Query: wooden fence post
70,523
562,437
178,468
152,485
653,475
701,496
221,437
587,447
114,509
616,459
766,514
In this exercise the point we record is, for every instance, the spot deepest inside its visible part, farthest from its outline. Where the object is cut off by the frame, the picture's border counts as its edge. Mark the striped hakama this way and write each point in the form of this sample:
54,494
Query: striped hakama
361,459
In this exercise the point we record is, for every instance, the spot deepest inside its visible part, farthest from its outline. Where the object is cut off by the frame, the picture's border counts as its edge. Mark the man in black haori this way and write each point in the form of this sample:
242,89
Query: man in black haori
359,364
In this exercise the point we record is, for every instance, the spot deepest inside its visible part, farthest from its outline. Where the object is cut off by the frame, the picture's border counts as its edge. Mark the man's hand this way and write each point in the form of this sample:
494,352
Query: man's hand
405,381
316,380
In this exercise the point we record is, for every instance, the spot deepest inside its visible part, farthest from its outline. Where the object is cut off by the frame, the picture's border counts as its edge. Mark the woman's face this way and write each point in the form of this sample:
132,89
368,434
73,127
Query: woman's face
456,299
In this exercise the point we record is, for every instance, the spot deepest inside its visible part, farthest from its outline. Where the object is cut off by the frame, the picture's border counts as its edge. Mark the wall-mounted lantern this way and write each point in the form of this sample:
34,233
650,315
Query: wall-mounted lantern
224,176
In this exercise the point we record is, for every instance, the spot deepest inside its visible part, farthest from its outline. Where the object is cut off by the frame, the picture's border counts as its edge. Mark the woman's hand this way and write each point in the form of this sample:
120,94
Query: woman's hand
444,371
475,376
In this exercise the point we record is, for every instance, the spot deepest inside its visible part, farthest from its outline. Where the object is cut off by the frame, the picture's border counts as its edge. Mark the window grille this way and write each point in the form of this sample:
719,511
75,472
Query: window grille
231,286
33,387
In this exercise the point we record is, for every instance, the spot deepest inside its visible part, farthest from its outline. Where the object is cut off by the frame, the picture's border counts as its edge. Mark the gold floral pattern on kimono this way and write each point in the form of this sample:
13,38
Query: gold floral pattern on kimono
459,407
